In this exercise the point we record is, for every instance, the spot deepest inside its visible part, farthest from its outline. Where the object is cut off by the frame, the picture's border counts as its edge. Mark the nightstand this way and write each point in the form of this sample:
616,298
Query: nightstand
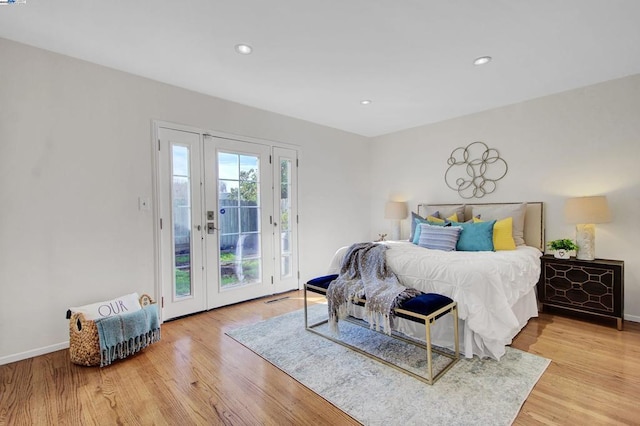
588,287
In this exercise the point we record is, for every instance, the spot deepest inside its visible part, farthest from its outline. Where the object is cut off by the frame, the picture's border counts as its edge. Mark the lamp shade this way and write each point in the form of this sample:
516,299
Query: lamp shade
587,210
395,210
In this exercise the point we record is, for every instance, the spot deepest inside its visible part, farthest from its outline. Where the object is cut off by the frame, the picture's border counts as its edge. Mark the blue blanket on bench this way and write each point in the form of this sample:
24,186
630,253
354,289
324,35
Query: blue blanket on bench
125,334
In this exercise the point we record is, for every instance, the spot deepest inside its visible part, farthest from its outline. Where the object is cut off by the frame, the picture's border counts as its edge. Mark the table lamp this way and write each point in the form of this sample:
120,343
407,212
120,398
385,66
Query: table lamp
396,211
585,212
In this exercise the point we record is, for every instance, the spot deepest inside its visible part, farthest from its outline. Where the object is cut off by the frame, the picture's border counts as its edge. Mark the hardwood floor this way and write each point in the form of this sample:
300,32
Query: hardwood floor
198,375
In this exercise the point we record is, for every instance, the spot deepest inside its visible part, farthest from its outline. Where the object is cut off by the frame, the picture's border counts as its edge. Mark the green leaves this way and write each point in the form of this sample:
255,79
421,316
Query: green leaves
564,244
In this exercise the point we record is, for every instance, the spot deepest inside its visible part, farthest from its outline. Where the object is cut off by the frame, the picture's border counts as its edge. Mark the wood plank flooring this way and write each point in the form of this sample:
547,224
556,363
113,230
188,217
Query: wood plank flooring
198,375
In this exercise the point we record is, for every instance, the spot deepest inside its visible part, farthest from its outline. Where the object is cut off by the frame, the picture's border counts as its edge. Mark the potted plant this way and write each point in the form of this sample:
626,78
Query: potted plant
561,248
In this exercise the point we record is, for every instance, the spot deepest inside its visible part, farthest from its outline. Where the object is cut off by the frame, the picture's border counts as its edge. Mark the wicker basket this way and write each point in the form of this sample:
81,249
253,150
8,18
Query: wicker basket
84,344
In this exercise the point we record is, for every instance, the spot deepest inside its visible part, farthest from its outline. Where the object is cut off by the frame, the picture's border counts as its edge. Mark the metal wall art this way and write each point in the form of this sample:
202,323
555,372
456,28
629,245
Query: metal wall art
474,170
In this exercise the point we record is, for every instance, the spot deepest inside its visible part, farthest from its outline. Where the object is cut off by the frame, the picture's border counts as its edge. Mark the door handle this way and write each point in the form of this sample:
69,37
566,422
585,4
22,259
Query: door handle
198,227
211,228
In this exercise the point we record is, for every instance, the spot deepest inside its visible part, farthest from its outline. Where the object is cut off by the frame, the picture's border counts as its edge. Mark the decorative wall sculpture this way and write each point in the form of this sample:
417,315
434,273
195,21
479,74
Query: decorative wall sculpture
474,170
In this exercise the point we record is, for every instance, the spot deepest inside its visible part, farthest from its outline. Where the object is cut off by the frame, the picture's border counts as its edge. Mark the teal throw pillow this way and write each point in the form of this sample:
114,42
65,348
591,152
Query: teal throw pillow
474,237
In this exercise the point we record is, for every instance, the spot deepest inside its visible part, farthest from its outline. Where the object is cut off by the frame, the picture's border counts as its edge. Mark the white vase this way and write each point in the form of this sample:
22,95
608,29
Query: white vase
561,254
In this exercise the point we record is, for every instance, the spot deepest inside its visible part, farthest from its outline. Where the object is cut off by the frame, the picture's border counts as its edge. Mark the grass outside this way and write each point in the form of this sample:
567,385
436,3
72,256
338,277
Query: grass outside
183,282
183,276
250,269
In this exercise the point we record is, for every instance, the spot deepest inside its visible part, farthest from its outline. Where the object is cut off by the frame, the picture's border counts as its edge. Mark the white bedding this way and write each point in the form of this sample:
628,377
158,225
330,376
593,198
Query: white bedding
495,292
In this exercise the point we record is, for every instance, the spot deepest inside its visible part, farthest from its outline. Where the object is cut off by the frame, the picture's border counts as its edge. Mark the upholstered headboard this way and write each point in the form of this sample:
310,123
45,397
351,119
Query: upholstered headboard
533,220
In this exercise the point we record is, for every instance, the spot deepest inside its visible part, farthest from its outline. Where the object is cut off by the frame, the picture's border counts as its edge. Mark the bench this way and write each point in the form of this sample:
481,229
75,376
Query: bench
425,308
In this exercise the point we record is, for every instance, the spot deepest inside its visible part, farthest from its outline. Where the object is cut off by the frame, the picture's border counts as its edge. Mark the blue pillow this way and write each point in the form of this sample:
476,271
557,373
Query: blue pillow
439,237
474,237
418,221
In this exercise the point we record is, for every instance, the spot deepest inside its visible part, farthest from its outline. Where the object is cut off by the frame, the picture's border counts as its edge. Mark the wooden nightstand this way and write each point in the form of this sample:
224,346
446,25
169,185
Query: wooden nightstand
589,287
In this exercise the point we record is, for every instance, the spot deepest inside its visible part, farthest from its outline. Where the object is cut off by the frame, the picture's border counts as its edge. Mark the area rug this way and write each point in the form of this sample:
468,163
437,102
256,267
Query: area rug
473,392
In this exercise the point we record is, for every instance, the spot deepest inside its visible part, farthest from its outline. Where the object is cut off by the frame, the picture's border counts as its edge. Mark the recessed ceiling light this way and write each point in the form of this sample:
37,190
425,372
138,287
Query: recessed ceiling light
244,49
482,60
365,101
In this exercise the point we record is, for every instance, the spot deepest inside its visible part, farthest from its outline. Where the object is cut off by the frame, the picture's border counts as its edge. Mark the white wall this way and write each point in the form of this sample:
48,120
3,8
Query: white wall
75,155
577,143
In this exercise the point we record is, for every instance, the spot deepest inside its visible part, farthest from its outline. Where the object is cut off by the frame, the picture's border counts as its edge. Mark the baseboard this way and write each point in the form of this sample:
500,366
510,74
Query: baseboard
632,318
34,352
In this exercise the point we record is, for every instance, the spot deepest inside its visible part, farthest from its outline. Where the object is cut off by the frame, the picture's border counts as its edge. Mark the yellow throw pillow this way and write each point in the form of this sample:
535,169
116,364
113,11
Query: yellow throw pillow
452,218
502,234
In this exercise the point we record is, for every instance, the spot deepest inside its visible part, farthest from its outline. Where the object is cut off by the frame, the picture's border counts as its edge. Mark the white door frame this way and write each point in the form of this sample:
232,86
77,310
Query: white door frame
155,125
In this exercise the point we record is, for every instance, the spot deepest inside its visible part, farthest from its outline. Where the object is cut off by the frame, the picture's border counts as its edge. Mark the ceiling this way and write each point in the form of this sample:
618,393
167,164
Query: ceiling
316,60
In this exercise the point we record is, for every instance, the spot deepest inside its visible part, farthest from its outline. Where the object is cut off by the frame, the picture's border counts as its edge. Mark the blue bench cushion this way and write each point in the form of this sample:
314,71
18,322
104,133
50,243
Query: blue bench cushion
323,281
426,303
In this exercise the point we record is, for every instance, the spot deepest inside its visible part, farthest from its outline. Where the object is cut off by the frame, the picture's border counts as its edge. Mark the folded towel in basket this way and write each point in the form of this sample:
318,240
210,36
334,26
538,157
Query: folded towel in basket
125,334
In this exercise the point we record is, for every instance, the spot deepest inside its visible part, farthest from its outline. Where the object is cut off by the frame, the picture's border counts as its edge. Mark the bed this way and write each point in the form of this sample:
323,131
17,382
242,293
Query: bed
495,290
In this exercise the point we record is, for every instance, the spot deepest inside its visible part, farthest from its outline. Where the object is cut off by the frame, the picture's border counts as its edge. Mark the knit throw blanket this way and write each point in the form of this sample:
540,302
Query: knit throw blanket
364,274
125,334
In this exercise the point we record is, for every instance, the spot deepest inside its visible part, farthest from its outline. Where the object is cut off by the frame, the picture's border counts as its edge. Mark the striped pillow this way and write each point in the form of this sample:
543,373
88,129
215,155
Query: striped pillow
439,237
416,236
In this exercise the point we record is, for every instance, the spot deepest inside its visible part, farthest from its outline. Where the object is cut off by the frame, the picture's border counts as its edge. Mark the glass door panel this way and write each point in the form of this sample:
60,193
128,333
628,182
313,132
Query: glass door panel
285,217
181,214
239,219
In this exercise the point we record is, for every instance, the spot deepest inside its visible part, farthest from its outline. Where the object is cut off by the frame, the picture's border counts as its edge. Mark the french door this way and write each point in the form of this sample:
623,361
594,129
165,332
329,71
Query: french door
233,233
180,205
238,202
285,201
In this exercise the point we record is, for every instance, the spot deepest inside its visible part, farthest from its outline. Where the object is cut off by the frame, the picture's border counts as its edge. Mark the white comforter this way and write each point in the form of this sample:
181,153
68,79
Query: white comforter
495,292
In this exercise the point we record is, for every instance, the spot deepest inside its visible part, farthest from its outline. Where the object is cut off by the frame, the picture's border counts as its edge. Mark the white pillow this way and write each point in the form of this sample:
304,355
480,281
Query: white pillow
499,212
119,305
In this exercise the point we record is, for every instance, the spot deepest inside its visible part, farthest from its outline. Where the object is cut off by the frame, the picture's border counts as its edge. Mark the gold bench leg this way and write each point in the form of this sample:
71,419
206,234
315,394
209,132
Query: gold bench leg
427,325
306,319
456,343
